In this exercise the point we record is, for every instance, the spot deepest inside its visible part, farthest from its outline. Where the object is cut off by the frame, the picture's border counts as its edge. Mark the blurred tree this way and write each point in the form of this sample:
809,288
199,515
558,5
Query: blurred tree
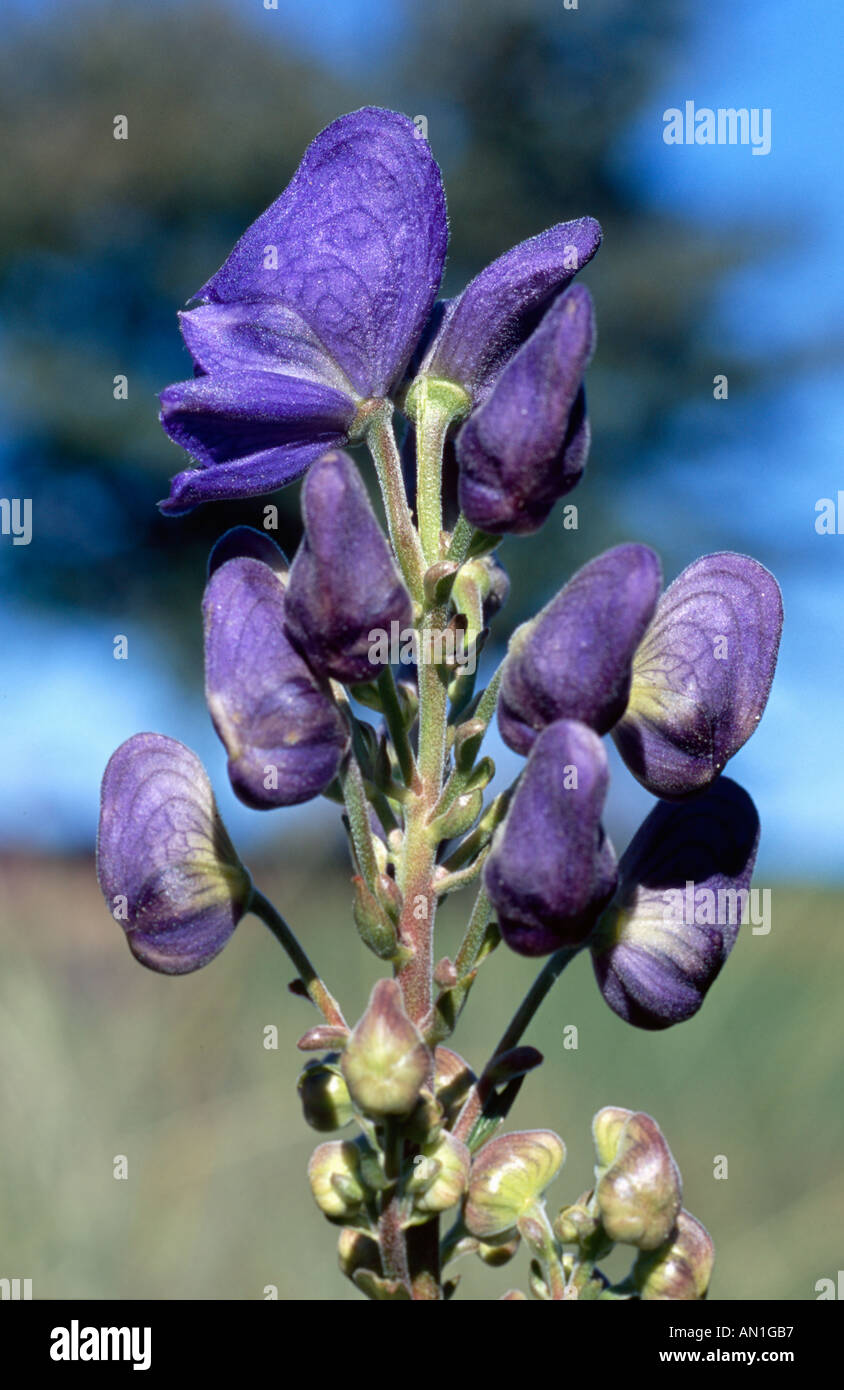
102,239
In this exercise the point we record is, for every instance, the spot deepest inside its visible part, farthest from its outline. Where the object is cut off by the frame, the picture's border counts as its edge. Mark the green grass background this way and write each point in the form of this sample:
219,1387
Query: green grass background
100,1057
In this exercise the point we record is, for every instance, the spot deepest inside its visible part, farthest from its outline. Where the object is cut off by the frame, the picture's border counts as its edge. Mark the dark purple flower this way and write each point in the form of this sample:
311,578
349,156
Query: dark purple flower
343,584
573,660
702,674
526,446
683,889
166,867
283,733
551,869
476,334
315,313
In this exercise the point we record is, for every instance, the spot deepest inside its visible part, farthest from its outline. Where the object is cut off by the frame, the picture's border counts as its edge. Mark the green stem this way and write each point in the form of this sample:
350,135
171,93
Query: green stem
317,991
398,730
545,980
385,454
433,406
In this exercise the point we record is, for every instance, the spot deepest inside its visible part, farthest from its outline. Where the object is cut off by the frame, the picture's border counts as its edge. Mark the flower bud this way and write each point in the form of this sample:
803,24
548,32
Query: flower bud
526,445
681,1269
683,886
385,1061
283,733
441,1184
453,1079
508,1177
574,659
165,864
334,1175
324,1095
702,674
551,869
575,1224
343,586
501,1252
639,1192
356,1250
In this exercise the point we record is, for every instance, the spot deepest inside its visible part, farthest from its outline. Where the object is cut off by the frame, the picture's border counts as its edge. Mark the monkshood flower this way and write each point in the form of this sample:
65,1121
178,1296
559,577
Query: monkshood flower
508,1178
681,1269
683,882
314,316
551,870
343,583
165,864
473,337
574,659
527,444
284,735
702,674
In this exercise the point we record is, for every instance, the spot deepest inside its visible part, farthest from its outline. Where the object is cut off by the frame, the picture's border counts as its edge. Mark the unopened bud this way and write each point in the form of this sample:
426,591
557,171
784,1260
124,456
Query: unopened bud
324,1095
355,1251
444,1181
453,1079
508,1177
334,1175
385,1061
639,1193
496,1253
682,1269
575,1224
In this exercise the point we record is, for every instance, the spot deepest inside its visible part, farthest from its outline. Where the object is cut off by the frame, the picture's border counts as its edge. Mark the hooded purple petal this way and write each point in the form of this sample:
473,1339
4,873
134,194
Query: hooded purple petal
284,735
259,335
165,864
573,660
551,870
702,674
251,432
481,329
344,586
526,446
355,246
683,886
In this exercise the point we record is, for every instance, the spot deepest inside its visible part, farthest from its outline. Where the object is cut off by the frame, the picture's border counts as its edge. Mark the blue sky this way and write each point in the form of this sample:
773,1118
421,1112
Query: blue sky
781,452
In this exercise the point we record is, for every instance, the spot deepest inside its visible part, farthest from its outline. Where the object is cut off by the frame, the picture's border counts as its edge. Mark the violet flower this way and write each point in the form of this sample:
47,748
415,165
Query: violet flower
284,735
165,863
344,583
702,674
573,661
315,313
551,870
683,884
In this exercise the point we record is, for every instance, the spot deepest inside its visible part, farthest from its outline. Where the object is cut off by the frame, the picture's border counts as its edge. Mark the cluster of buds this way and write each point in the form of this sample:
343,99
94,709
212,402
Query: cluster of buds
323,326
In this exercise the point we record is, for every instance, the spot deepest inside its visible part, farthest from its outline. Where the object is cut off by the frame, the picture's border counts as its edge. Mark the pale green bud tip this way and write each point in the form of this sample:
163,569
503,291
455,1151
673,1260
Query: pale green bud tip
386,1062
508,1176
639,1194
442,1174
682,1269
326,1103
334,1175
606,1132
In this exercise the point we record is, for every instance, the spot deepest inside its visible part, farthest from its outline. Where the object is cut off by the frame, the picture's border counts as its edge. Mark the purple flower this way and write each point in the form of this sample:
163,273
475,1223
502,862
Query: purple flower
573,661
551,869
683,885
702,674
165,864
526,445
283,733
343,584
314,315
475,335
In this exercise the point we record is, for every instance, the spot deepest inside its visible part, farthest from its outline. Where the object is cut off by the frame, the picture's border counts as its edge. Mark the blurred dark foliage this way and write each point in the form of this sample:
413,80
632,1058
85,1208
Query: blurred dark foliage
102,240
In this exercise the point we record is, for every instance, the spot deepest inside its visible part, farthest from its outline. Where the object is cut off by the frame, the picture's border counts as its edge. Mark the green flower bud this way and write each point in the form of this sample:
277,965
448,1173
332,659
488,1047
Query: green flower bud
385,1061
508,1177
575,1224
326,1103
334,1175
639,1192
356,1250
496,1253
680,1270
425,1122
441,1175
453,1079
